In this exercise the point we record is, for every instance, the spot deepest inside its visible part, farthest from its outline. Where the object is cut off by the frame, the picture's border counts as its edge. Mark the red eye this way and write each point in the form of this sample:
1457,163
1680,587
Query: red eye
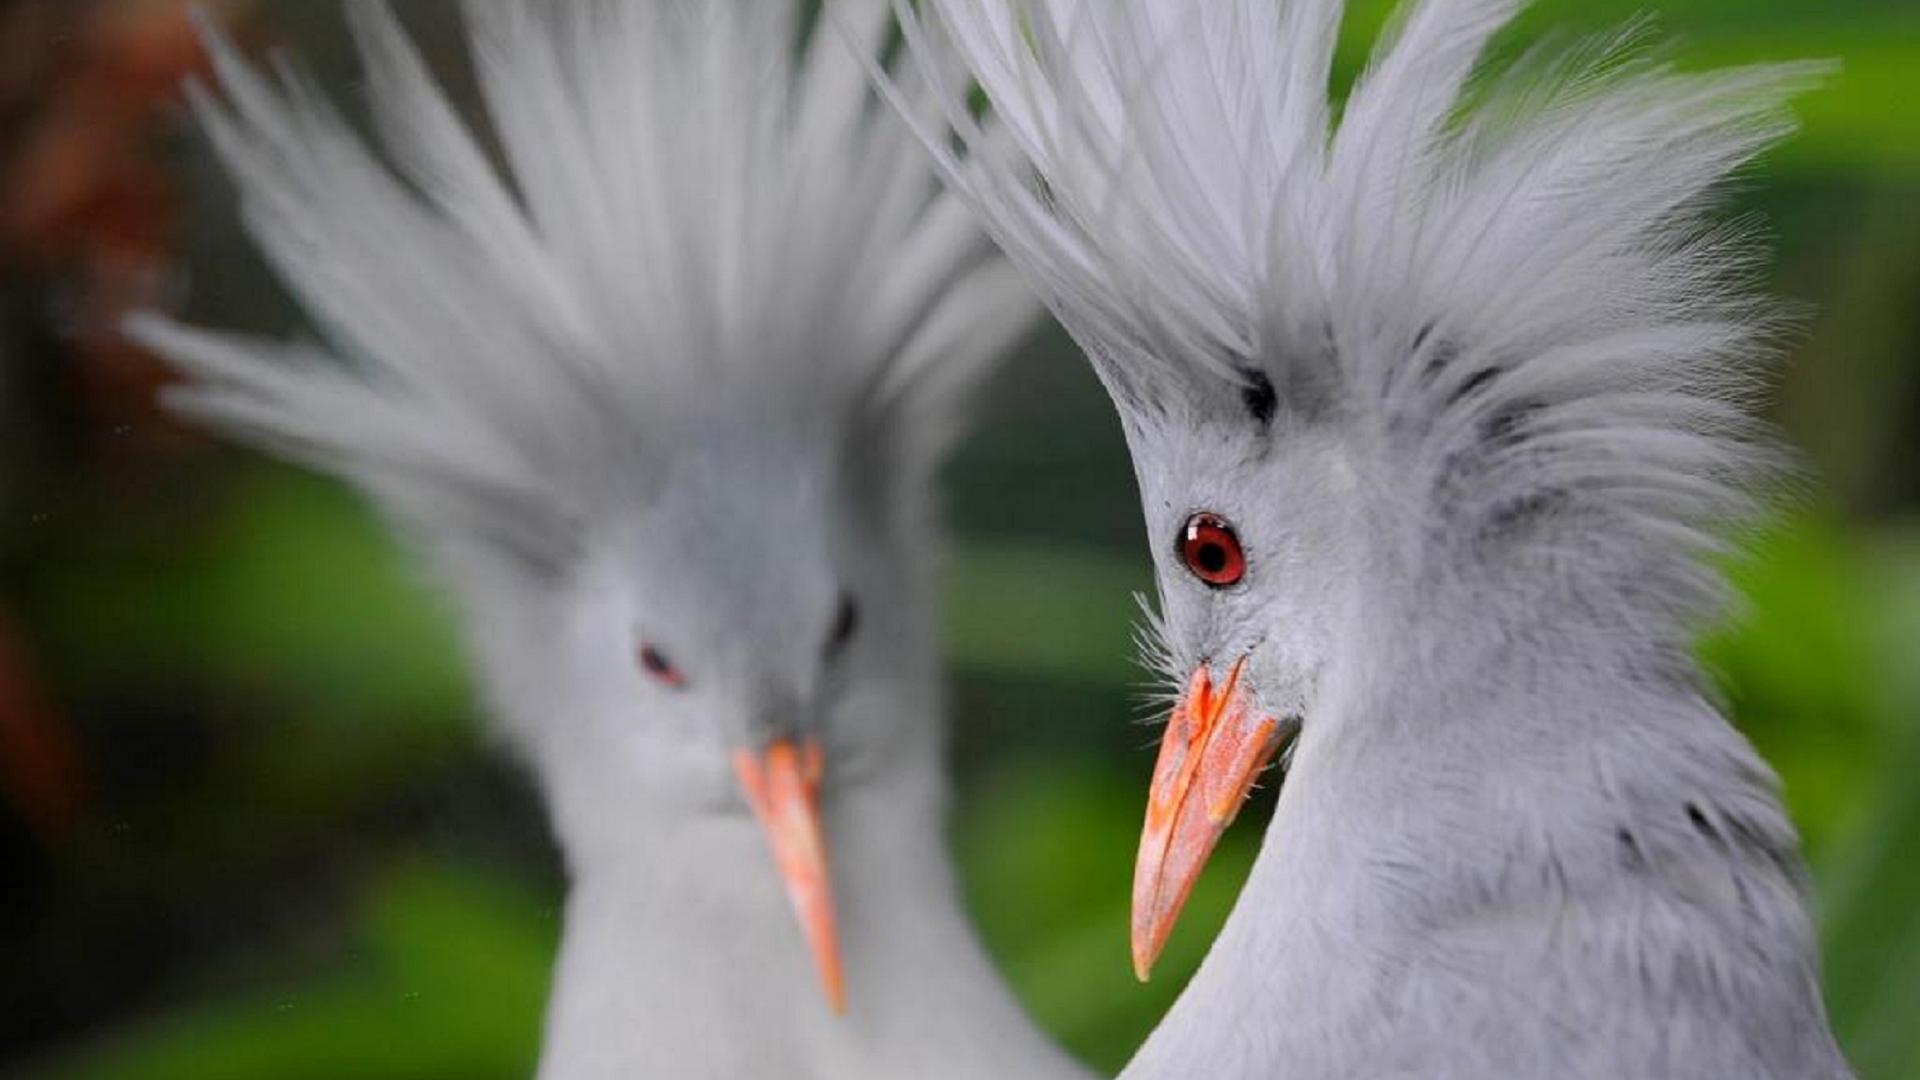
1211,550
656,664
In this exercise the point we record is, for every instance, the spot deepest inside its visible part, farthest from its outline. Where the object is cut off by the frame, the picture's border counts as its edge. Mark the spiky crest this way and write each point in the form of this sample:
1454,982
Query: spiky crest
1509,286
695,225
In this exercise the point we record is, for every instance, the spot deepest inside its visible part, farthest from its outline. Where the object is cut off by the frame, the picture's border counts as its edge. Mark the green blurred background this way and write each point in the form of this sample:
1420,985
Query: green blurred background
251,827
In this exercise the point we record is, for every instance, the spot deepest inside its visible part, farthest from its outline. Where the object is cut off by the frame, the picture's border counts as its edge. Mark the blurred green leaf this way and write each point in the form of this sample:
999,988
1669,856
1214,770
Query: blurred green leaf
1870,884
293,585
291,601
1796,663
449,982
1859,122
1062,613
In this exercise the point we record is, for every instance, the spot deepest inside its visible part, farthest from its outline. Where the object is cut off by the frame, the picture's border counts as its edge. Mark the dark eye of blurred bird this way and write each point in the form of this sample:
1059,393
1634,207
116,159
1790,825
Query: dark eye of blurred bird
656,664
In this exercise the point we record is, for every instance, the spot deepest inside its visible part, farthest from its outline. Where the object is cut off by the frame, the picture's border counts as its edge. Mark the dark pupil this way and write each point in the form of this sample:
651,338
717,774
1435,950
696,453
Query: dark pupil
654,662
1212,558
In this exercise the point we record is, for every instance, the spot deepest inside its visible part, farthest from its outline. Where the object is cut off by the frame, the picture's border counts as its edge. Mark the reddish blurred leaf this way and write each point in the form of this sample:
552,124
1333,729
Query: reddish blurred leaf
41,769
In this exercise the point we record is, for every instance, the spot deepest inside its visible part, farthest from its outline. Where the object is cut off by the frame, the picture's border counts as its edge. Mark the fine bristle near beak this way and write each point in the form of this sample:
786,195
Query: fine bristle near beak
782,784
1214,747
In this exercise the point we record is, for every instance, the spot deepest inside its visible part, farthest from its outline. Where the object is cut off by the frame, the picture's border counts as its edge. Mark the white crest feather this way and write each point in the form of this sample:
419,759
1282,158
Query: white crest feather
696,223
1510,284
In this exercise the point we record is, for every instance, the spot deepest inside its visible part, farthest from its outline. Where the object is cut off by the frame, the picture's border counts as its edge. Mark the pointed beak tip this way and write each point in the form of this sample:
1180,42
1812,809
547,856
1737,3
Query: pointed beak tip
1214,748
1144,936
782,787
833,984
1142,966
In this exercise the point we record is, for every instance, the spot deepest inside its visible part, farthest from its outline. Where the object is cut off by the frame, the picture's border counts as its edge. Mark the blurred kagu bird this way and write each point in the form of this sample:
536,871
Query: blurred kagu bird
1435,412
661,404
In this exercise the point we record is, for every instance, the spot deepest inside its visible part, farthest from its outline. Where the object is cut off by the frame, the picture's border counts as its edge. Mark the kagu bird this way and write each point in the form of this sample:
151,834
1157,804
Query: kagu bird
1434,411
661,406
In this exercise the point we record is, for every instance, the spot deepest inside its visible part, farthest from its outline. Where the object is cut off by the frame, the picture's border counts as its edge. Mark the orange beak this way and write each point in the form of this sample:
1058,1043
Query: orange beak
1213,749
783,787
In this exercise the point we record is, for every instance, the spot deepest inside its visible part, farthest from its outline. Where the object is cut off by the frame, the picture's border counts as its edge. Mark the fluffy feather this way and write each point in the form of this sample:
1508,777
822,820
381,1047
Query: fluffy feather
1508,284
693,223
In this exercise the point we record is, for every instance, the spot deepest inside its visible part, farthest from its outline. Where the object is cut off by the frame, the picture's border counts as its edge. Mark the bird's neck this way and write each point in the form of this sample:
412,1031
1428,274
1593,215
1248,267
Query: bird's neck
1492,795
684,959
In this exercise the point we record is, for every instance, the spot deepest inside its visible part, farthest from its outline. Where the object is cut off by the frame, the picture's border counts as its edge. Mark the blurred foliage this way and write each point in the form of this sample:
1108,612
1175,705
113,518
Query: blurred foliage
445,977
304,861
1820,671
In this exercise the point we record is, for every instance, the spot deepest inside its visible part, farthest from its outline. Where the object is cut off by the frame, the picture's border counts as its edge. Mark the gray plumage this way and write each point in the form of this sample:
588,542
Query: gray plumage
1468,370
660,402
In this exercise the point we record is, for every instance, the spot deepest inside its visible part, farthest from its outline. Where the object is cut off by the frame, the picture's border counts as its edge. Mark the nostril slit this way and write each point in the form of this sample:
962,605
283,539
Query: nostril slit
846,623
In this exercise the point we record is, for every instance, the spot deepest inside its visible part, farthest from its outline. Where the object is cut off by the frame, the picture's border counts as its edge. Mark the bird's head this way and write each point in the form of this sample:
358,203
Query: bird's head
731,644
741,592
1250,513
734,602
